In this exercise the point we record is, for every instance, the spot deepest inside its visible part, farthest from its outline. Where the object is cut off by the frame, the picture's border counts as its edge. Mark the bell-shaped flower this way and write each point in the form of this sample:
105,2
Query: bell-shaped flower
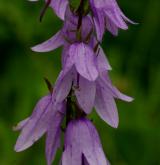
108,15
99,93
39,123
82,144
68,81
68,34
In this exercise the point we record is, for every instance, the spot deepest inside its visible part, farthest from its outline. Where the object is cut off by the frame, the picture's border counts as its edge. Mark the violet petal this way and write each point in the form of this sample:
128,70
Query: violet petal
59,7
86,94
51,44
84,61
36,126
53,134
106,106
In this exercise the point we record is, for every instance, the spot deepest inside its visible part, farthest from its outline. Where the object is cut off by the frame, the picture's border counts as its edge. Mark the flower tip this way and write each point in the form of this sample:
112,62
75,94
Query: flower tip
35,49
129,99
39,49
21,145
20,148
114,123
109,67
135,23
17,148
126,98
20,125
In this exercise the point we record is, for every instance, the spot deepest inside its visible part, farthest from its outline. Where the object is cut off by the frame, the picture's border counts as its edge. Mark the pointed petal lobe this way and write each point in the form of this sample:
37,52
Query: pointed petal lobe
21,124
59,7
36,125
106,106
51,44
102,61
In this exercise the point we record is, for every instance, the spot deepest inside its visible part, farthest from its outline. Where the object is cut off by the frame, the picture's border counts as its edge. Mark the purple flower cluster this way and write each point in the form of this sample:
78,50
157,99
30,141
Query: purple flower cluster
83,84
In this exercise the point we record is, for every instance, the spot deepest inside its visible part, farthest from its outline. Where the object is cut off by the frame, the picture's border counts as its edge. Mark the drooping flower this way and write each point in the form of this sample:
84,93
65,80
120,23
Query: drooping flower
80,54
82,144
108,15
68,34
45,118
100,93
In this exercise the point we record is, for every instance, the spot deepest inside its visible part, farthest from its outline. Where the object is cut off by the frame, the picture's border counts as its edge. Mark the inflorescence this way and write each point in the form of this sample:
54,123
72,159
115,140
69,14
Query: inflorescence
83,84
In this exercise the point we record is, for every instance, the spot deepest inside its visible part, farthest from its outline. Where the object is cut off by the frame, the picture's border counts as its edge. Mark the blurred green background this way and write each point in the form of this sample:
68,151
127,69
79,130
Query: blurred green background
134,56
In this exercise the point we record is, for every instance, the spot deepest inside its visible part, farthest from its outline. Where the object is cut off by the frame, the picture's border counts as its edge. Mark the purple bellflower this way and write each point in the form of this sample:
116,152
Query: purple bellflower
108,15
82,144
44,119
83,84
